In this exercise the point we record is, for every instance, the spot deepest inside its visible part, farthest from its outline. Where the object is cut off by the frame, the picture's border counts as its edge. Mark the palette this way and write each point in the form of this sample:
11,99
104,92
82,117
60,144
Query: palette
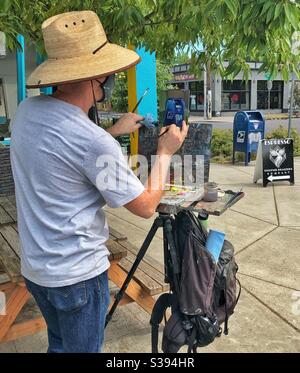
178,195
176,200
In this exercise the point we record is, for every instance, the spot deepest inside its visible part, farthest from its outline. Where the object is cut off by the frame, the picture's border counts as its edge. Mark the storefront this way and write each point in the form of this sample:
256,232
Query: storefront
229,96
236,95
196,96
276,95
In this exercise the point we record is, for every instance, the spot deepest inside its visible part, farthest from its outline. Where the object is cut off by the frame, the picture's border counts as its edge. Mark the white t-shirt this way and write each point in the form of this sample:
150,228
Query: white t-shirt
65,170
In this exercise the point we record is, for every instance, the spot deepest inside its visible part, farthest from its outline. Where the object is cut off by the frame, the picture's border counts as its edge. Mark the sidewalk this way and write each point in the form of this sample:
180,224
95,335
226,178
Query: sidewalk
265,230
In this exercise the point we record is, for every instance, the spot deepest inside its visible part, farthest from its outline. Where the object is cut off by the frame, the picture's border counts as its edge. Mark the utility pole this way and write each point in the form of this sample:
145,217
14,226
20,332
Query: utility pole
205,92
270,86
295,51
291,105
209,92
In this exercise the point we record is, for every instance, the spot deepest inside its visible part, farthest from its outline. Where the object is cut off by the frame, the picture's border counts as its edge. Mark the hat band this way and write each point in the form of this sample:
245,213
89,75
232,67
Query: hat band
101,46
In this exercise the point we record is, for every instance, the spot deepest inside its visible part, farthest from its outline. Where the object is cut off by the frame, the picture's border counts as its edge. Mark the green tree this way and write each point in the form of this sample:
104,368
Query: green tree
163,76
232,30
120,94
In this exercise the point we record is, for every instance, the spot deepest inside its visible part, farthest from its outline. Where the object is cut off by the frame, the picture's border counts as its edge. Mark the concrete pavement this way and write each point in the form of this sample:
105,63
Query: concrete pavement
265,230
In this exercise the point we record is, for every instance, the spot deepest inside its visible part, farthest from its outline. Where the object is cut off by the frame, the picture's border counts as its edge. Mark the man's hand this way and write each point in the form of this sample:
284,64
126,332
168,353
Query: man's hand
127,124
171,139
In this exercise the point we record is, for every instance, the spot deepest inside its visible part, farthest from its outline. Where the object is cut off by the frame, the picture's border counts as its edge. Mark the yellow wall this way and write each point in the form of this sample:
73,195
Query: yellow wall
132,100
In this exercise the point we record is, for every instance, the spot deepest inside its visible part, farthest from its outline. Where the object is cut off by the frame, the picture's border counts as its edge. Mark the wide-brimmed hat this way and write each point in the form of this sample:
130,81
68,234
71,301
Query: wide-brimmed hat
78,49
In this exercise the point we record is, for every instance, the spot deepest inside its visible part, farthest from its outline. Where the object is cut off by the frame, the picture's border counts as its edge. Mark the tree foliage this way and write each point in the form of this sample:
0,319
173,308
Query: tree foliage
230,30
163,76
120,93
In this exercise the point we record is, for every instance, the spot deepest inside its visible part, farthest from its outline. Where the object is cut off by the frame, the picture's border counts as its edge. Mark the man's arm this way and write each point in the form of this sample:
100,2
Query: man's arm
146,204
127,124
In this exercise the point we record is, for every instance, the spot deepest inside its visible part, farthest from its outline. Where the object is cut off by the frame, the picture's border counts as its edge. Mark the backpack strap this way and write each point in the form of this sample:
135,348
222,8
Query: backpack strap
240,290
226,330
158,312
226,312
191,342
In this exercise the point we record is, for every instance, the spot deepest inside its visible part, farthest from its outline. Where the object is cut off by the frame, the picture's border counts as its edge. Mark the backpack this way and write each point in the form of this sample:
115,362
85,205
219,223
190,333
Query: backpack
202,293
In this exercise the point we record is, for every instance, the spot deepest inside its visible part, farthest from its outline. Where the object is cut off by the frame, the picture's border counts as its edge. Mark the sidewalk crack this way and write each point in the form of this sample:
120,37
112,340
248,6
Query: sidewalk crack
254,242
273,311
267,281
253,217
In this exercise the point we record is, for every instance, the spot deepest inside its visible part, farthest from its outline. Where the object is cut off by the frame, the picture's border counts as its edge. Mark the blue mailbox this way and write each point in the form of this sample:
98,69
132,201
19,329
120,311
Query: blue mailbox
248,130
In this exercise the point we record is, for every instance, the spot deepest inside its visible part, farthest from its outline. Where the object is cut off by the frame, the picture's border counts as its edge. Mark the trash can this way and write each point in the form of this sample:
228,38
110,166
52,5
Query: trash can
248,130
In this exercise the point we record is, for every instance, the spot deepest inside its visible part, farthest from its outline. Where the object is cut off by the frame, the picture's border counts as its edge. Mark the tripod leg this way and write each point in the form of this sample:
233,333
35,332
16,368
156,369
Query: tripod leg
157,224
166,256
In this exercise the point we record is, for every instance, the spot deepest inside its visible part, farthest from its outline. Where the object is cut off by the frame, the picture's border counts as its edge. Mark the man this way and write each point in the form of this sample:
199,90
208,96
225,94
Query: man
66,169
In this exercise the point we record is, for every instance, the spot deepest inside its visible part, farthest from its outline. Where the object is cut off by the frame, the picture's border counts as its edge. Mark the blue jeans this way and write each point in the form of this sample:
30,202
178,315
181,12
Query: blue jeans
75,314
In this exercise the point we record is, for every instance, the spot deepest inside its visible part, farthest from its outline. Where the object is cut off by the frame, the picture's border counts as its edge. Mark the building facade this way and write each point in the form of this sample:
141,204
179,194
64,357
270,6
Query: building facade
229,96
8,81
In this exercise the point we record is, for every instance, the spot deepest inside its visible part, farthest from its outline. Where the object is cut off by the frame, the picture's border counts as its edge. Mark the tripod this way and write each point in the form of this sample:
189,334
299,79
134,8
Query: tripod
164,221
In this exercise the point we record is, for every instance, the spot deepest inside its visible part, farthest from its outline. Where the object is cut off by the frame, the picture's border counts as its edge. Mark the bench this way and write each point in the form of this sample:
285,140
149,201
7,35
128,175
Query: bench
147,282
148,279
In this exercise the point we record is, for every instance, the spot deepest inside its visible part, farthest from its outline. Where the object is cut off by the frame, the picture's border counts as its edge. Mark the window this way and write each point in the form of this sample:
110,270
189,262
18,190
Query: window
178,85
236,95
276,95
196,96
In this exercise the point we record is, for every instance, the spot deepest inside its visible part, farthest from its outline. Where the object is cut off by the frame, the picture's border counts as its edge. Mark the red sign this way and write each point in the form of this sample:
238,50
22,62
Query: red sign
184,77
235,98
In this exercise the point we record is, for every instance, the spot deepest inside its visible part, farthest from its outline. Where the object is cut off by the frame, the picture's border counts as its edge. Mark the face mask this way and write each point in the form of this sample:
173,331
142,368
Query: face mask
108,87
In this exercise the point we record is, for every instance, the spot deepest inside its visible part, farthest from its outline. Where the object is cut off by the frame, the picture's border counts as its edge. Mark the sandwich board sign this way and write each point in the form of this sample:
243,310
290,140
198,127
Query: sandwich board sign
275,161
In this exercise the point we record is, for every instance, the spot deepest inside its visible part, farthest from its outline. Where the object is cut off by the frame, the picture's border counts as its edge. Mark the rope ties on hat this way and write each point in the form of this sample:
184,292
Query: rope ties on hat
95,104
103,45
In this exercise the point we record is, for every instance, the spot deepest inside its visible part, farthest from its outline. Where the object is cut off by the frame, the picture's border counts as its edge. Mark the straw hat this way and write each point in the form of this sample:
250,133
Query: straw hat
78,50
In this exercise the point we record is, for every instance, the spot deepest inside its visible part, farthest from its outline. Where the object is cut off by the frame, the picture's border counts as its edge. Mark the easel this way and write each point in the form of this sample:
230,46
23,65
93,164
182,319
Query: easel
164,221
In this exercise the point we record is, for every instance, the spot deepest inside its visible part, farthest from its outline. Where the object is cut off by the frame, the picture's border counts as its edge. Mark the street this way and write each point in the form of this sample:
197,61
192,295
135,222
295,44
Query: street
227,123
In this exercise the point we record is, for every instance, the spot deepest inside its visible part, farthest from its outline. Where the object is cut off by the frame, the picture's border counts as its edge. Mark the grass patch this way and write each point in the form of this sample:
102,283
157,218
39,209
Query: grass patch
222,144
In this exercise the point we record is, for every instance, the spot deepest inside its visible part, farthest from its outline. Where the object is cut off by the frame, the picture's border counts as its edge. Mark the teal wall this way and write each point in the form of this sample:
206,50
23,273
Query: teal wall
146,78
21,72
